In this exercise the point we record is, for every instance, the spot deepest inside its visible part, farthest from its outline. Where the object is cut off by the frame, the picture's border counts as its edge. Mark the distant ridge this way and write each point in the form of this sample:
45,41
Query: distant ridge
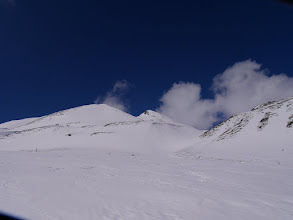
98,126
266,130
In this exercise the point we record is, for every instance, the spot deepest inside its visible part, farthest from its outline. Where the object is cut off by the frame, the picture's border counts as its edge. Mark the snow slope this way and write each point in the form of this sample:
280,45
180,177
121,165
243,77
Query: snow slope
265,132
100,126
88,114
15,123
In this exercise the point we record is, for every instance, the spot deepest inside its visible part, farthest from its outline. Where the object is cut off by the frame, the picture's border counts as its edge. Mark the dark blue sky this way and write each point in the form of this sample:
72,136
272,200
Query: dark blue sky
60,54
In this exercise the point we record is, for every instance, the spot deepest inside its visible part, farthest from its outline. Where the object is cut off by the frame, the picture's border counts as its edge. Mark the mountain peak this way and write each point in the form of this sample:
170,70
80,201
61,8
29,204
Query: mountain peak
151,113
155,116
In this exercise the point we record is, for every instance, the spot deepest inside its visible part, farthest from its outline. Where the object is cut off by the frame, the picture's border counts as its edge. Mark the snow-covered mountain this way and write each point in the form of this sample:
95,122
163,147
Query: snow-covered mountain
264,132
100,126
97,162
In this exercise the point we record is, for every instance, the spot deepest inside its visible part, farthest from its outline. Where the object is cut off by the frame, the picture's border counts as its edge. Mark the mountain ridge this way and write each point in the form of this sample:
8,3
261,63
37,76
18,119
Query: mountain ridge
264,132
99,126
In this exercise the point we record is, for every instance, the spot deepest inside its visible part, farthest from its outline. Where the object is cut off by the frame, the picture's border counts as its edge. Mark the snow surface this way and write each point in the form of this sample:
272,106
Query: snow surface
96,162
16,123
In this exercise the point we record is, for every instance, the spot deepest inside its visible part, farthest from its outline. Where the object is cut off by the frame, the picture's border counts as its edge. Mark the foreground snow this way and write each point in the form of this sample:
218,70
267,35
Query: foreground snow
92,183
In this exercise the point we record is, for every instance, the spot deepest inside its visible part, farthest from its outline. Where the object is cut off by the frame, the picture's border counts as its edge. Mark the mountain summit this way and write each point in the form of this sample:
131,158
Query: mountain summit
156,117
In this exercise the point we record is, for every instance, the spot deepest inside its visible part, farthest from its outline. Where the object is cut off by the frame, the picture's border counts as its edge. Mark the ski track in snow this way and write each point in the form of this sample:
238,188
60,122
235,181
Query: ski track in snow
89,183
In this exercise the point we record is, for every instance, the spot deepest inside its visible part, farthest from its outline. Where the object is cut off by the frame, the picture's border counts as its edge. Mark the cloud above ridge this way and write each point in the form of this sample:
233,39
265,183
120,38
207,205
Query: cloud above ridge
239,88
116,96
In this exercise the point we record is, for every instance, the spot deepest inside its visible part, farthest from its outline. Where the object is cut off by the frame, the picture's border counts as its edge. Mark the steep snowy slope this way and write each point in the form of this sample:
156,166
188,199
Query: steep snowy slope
264,132
100,126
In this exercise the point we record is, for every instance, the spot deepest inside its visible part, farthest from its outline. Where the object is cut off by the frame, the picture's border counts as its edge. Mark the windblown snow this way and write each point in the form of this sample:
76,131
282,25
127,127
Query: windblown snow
97,162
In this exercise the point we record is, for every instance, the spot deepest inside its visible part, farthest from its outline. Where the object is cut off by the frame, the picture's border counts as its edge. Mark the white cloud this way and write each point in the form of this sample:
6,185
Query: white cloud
115,97
245,85
184,104
239,88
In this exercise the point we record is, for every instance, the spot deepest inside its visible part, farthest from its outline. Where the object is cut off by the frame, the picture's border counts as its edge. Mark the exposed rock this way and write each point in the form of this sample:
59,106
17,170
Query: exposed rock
265,120
290,122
